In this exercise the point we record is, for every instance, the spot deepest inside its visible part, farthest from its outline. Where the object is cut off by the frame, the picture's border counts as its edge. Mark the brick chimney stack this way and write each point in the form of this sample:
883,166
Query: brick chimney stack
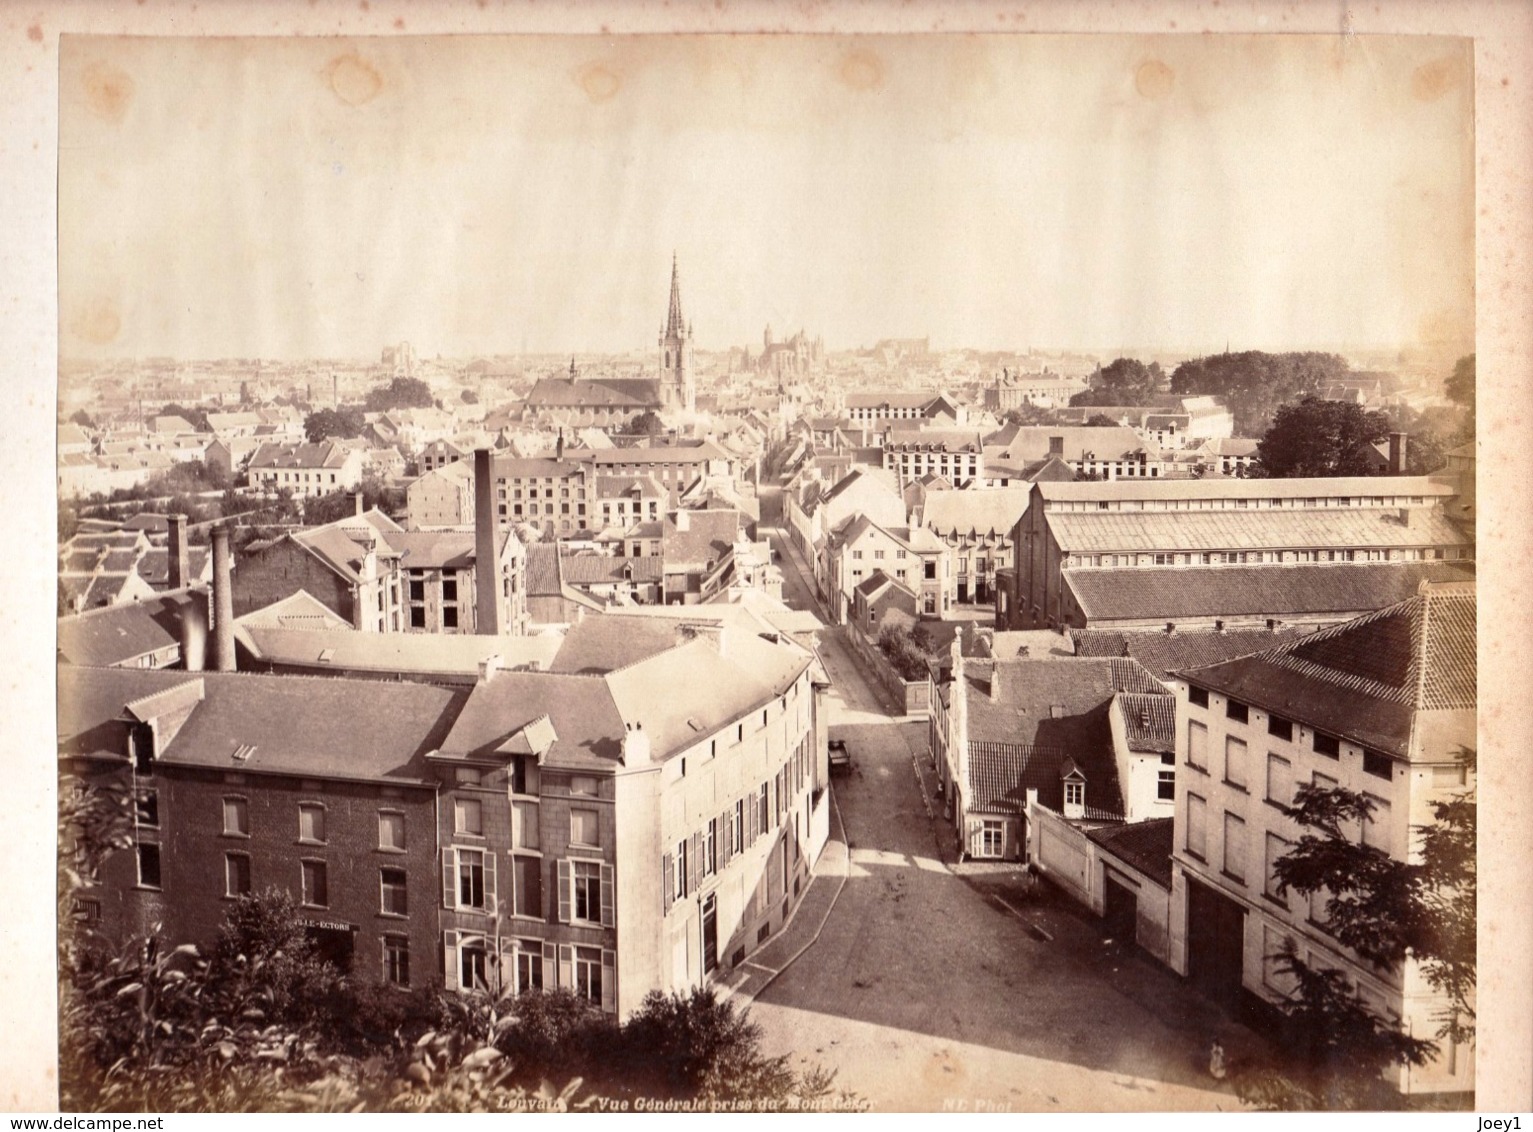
223,601
1397,453
486,562
178,561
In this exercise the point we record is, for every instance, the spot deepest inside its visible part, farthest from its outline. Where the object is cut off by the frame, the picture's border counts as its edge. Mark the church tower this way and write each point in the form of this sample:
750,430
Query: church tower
677,390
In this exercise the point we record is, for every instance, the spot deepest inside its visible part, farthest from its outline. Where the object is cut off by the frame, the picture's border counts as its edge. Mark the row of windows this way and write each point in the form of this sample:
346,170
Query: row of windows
586,892
1374,762
312,827
1232,504
710,849
530,964
1262,557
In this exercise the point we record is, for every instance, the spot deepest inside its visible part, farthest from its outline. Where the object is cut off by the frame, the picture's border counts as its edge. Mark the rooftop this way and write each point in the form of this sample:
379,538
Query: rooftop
1144,845
1121,531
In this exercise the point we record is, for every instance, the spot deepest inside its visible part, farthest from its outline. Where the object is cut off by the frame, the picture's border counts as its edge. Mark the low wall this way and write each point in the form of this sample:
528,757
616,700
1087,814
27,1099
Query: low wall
913,696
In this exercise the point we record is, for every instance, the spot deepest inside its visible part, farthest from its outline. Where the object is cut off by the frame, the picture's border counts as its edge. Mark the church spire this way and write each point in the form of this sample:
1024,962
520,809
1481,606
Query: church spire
674,326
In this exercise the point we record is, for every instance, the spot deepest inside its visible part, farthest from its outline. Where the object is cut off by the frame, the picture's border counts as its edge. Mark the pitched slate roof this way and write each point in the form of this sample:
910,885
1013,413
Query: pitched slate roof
543,570
596,569
322,727
1088,533
326,454
1028,443
1000,775
591,393
104,637
1366,679
1317,488
1163,653
1143,845
422,654
894,399
433,550
708,537
981,511
1170,593
154,566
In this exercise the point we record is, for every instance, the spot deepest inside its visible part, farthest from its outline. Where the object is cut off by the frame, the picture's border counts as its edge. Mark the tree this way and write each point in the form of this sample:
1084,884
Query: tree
469,397
1254,384
694,1046
1126,381
1386,910
1101,420
82,418
197,418
338,504
1321,438
401,393
647,423
343,423
1029,414
1460,388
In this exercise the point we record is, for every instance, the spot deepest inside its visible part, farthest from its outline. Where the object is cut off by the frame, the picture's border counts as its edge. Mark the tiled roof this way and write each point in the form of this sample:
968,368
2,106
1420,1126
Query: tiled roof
935,440
1162,653
560,392
1149,721
433,550
667,454
1033,442
154,566
895,399
428,654
1367,678
598,645
1001,773
616,487
709,536
991,510
594,569
327,454
543,570
528,467
1143,845
104,637
320,726
1169,593
1088,533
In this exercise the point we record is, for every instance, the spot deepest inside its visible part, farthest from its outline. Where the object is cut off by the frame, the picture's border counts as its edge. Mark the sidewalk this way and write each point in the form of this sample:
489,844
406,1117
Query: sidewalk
803,928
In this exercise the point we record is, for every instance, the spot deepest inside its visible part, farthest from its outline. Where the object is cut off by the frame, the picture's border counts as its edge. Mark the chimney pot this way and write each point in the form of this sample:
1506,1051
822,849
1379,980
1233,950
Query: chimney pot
178,565
223,601
486,570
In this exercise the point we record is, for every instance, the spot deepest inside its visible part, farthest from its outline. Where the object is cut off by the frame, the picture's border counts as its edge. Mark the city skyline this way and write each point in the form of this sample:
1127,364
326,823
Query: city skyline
498,196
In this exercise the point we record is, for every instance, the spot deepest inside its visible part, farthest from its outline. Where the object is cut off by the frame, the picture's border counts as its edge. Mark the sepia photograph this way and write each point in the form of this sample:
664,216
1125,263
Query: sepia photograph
766,573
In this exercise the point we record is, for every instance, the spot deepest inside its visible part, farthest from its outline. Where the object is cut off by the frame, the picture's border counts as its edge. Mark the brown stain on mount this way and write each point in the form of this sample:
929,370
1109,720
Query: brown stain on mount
598,81
1431,81
862,70
354,80
1154,80
108,91
35,33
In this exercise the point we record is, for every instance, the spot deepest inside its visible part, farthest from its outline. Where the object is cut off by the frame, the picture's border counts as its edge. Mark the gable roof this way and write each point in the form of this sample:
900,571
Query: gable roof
1149,721
982,511
1170,593
1142,845
117,634
1366,679
1088,532
1162,653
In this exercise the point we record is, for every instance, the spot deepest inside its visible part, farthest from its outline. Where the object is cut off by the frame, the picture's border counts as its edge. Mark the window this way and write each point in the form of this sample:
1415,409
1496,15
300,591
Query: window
1075,794
316,884
147,807
1197,745
417,617
472,965
524,774
681,870
588,973
1377,765
1327,745
311,823
1197,696
393,885
1376,830
587,892
468,816
1165,785
527,886
1234,709
583,828
1276,847
584,784
1279,780
1197,833
1282,728
391,830
396,960
1235,762
468,776
710,847
236,817
449,616
1234,847
524,825
738,831
1448,776
449,589
417,589
470,878
236,874
764,822
992,836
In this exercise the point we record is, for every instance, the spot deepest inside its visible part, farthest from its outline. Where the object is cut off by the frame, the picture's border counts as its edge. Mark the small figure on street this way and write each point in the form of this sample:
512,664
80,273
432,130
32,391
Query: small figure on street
1216,1068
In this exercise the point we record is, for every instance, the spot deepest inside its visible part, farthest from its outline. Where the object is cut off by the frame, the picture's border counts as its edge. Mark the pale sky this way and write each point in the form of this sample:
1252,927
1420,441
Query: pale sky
474,195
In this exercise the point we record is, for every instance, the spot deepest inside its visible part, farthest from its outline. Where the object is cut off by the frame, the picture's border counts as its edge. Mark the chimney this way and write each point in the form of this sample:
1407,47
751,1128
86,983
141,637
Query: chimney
1056,711
177,561
636,749
1056,446
223,601
194,632
1405,517
486,565
559,446
356,502
683,520
1397,453
694,630
488,667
